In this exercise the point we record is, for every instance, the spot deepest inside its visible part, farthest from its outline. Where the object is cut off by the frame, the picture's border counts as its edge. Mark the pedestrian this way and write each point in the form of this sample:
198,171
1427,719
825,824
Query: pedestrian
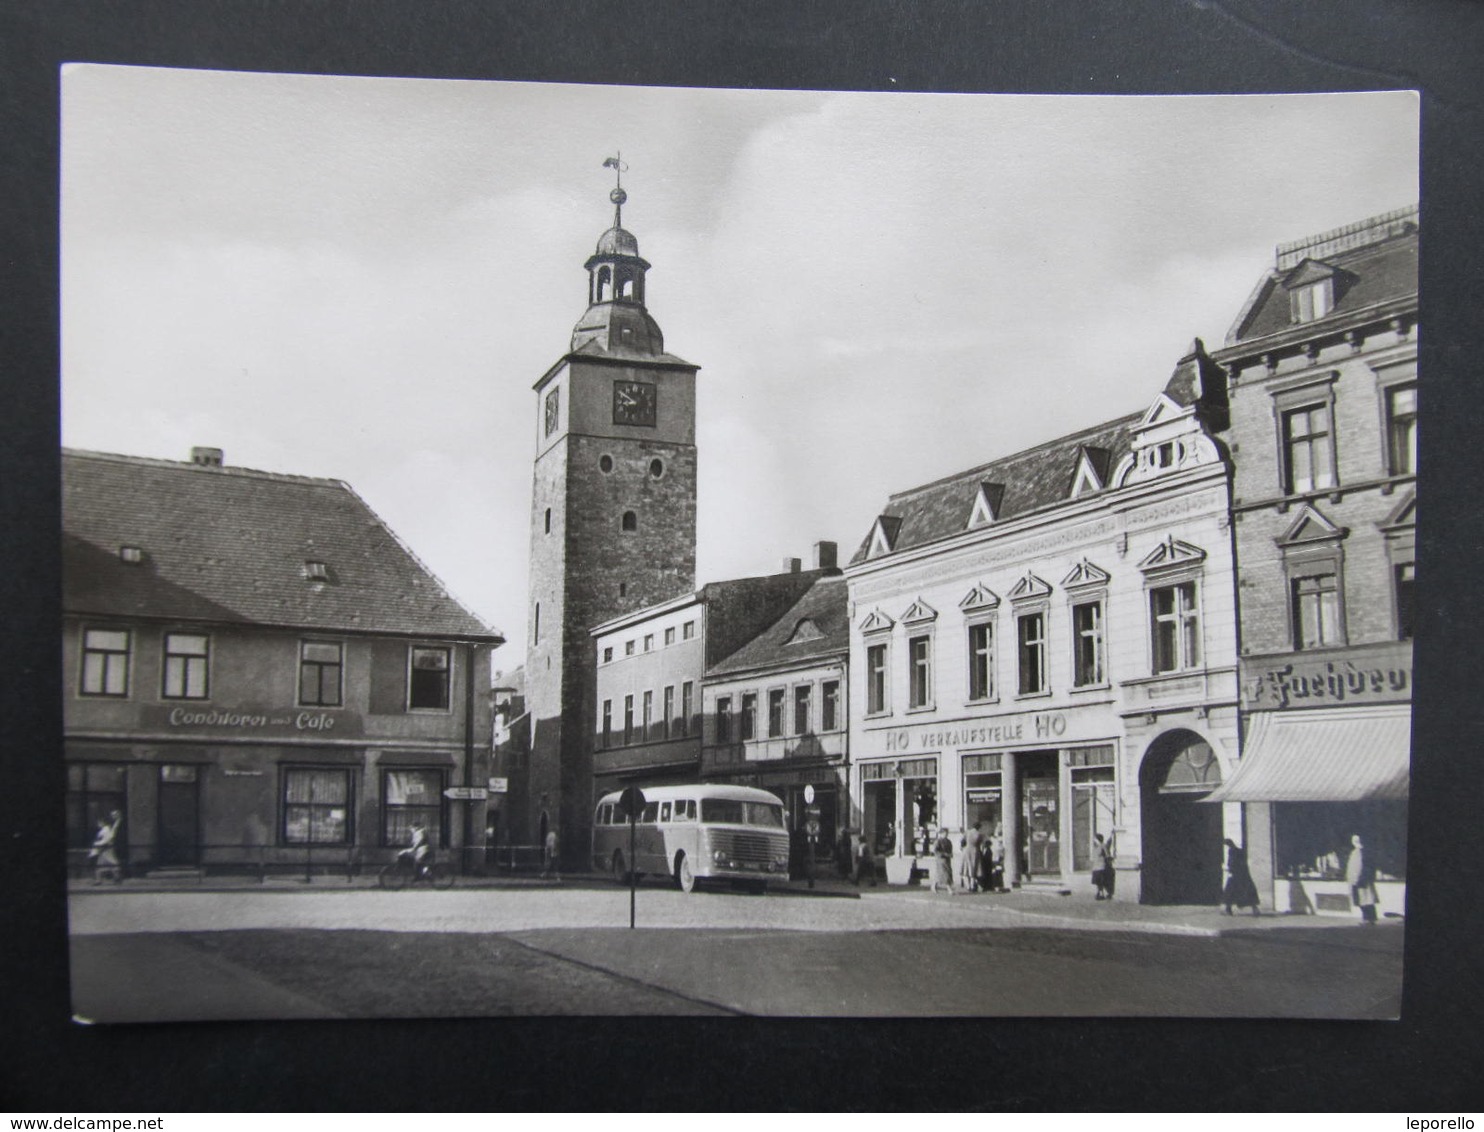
969,866
1360,874
1102,875
104,853
1240,891
943,862
549,864
862,863
845,854
997,859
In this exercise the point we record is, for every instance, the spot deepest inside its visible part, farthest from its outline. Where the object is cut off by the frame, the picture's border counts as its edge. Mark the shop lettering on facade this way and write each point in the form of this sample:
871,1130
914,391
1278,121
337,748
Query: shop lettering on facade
1328,682
255,720
1042,725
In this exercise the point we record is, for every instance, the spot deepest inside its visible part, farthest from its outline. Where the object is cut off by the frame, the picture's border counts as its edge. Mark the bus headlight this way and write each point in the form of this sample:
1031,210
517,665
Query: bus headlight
718,856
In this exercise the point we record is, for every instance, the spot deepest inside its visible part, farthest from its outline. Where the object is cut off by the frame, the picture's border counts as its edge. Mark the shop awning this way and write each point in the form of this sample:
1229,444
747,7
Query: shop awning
1354,755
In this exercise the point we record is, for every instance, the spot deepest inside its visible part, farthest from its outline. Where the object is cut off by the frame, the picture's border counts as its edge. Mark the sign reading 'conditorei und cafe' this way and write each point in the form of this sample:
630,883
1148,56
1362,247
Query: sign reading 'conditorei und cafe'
248,722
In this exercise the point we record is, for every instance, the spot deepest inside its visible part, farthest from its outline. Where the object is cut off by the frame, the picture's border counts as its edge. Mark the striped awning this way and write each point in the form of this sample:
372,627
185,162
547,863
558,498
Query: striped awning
1350,755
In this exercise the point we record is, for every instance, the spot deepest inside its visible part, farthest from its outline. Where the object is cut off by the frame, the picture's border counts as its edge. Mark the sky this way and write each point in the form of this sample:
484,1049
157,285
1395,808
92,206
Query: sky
362,278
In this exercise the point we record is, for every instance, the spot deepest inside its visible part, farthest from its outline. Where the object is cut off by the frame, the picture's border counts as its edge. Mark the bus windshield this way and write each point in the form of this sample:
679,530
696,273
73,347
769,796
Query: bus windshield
741,813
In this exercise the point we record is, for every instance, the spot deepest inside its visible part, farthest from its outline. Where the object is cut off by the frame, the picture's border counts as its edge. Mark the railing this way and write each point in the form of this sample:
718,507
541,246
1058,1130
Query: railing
302,862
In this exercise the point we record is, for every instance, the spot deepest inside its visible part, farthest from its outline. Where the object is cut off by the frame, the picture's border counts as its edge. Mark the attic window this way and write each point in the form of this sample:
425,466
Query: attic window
1313,300
805,630
316,571
131,554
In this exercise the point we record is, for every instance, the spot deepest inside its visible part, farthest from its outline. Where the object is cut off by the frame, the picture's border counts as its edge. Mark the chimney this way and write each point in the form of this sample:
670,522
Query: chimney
792,565
207,457
826,555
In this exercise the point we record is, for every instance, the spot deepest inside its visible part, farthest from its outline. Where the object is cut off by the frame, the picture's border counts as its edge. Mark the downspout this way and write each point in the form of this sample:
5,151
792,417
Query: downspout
470,654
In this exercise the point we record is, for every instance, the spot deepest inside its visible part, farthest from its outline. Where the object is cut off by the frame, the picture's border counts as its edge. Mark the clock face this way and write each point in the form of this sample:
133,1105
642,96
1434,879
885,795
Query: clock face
634,403
553,407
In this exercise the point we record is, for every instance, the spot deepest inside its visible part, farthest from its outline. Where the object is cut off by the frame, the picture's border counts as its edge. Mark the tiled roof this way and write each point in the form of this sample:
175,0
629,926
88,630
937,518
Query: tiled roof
739,609
231,544
1372,273
1034,479
824,607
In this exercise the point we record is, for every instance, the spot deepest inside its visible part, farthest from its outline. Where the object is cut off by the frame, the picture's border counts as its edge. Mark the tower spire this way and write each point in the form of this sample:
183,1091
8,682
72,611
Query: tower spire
617,196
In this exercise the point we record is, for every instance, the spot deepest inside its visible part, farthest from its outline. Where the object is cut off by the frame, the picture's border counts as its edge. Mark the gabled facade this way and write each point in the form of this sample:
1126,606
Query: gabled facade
1066,668
1323,397
258,674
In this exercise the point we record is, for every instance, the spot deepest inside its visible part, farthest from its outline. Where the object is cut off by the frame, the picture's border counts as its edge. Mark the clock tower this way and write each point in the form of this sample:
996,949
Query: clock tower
613,516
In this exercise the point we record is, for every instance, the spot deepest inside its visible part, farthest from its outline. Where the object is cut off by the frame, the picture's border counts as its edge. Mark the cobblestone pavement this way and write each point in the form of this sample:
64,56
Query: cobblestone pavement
531,905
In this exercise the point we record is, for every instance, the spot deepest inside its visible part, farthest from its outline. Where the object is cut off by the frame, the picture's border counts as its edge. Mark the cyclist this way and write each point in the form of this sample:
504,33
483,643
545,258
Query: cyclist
419,852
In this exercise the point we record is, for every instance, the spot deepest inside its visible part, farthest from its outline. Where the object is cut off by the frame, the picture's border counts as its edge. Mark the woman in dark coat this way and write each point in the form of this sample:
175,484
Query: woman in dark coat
1239,887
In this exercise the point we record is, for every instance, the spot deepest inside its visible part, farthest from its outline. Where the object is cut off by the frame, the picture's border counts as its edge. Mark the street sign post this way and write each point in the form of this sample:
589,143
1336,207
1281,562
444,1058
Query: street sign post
632,800
466,793
811,829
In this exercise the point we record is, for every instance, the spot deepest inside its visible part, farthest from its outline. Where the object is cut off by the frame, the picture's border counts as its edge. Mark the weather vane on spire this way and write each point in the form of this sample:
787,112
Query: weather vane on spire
617,196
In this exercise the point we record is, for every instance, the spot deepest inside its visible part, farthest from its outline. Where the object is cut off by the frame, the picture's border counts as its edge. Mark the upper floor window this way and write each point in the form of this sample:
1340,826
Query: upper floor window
1175,627
670,635
748,722
723,719
1312,300
1401,430
920,676
1404,573
1087,644
1031,629
1308,449
105,662
687,705
981,660
608,654
829,705
648,716
185,666
649,642
688,630
630,521
1316,611
669,709
628,648
876,702
427,685
607,723
628,719
319,673
775,712
803,708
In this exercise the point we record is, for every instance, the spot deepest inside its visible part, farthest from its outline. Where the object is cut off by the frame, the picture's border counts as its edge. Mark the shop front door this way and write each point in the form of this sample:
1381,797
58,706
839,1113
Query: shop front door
1040,816
179,825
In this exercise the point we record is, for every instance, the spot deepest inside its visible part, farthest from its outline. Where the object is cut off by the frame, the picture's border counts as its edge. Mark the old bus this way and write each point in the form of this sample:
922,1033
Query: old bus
690,833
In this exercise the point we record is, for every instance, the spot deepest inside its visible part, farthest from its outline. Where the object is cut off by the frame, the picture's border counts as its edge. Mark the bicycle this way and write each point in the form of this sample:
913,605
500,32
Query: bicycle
403,872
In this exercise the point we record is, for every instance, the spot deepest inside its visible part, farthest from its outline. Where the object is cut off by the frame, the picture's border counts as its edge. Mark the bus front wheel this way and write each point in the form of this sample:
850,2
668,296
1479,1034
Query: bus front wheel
684,878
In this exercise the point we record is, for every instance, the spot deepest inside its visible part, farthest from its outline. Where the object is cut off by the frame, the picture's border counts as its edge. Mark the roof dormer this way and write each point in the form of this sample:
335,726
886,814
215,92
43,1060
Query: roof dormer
986,508
884,535
1313,289
1091,473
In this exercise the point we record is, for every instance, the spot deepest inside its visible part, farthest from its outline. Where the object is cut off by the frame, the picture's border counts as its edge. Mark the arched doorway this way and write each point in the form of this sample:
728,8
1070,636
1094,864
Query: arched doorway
1181,837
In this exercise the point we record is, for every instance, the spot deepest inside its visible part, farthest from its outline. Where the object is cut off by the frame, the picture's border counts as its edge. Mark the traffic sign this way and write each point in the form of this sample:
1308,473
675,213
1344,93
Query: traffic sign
466,793
808,794
499,785
812,827
632,801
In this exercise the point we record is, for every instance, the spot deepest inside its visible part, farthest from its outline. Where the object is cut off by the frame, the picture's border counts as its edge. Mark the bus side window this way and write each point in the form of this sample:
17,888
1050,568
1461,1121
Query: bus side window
690,809
650,810
664,811
607,816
